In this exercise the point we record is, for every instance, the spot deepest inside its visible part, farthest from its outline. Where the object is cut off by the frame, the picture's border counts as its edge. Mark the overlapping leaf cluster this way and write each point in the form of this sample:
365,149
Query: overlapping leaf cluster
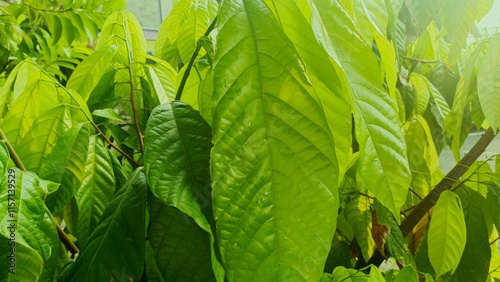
265,140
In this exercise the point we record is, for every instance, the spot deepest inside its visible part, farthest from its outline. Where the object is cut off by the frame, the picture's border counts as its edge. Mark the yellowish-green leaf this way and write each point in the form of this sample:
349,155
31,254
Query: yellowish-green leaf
488,84
447,234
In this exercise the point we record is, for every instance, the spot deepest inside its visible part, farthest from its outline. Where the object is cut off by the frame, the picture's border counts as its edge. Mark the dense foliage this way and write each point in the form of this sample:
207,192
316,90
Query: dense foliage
265,140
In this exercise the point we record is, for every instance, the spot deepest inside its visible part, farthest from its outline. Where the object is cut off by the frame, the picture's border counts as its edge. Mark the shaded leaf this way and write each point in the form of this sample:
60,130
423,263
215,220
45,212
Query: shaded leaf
115,249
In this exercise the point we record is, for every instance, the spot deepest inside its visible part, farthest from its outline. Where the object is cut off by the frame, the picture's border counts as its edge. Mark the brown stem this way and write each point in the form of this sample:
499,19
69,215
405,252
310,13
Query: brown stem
191,61
132,88
17,161
115,146
445,184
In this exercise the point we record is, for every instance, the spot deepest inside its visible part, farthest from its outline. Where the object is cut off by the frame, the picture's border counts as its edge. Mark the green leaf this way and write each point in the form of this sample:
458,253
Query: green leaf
382,168
358,214
182,249
96,191
422,156
421,90
42,136
176,161
109,114
458,18
447,234
201,14
328,79
88,73
474,264
28,231
166,42
395,241
407,274
454,123
4,159
34,93
274,171
65,165
488,84
115,249
421,13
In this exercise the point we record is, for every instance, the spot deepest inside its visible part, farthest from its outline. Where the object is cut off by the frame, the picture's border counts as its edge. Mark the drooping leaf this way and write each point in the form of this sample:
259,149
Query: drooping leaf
458,18
326,76
96,190
181,248
383,165
115,249
29,235
358,214
447,233
273,162
488,84
454,123
65,165
176,158
422,157
394,241
474,264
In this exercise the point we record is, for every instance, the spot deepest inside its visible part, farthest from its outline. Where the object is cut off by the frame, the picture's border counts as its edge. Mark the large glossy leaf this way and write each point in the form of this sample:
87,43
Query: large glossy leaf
383,165
328,80
115,249
488,84
176,159
181,248
447,234
274,171
29,231
65,165
474,264
96,190
89,72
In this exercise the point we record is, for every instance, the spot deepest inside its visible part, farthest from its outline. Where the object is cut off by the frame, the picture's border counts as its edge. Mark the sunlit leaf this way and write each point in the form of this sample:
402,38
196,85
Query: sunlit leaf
273,162
447,233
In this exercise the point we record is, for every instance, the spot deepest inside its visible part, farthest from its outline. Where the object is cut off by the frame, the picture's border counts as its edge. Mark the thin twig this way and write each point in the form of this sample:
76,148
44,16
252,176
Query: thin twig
189,66
445,184
19,164
421,60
